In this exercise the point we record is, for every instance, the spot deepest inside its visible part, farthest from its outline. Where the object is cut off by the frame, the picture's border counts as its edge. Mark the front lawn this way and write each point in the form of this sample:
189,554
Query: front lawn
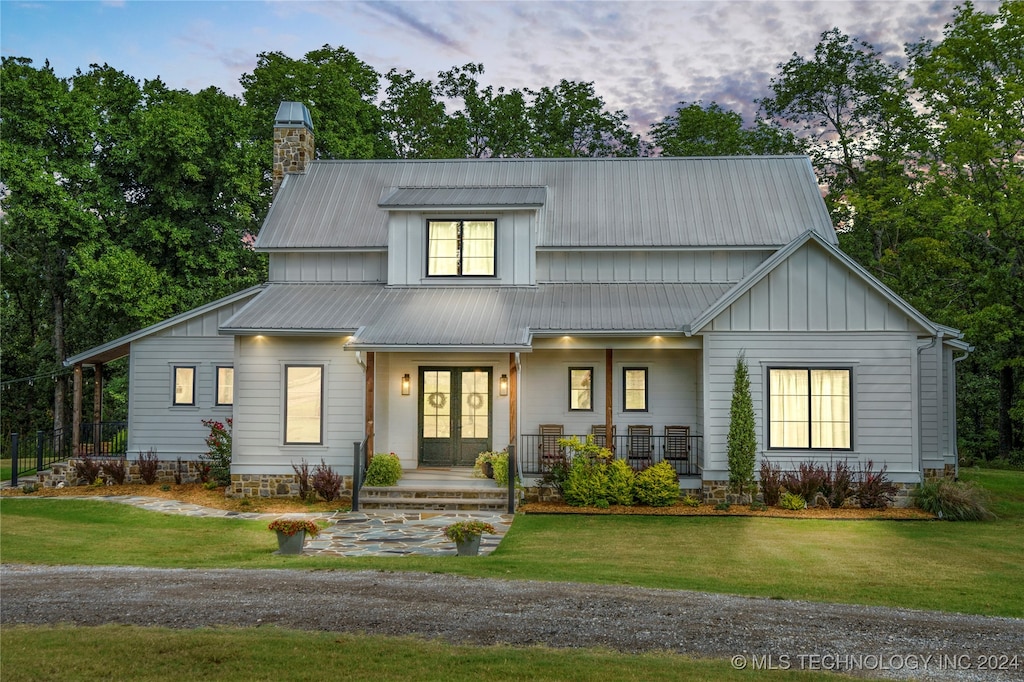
963,567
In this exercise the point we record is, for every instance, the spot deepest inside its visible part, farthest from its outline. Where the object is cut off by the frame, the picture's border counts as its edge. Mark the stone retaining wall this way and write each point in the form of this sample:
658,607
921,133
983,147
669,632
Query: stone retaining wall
63,474
274,485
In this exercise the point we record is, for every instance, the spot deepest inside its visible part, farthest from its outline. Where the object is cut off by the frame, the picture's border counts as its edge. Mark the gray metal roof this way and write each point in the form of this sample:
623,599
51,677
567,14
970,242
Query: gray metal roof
466,317
470,197
757,201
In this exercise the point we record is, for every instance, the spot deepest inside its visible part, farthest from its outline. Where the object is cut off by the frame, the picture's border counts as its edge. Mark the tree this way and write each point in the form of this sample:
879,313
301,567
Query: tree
493,121
340,91
570,120
741,441
697,129
417,122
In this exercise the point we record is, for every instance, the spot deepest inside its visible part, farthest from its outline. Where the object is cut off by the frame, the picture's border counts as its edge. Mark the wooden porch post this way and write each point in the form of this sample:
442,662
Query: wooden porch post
97,407
76,409
369,405
609,406
513,392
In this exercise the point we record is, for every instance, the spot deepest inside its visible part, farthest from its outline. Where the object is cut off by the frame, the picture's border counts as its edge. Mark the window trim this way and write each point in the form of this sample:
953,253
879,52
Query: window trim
284,405
808,368
216,385
590,389
461,222
647,389
174,385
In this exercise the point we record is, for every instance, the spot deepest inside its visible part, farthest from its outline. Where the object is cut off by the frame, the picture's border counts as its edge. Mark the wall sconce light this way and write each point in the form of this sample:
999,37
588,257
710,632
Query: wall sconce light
405,384
503,385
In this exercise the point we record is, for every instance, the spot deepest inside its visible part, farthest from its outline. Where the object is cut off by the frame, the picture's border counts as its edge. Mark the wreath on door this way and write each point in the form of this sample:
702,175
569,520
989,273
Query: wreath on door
475,400
437,400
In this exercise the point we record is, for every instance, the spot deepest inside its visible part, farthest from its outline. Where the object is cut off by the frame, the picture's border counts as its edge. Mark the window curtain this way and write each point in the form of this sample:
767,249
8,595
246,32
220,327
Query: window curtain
478,248
304,396
789,409
443,246
830,408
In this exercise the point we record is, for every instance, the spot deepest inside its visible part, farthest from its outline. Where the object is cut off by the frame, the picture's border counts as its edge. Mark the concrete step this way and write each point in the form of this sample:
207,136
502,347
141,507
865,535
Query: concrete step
447,497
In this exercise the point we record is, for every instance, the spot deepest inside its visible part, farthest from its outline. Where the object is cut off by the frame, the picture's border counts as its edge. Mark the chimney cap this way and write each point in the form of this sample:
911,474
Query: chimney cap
292,114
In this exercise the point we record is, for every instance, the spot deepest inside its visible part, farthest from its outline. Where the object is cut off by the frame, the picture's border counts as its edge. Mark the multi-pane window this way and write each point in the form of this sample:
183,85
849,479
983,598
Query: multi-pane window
809,408
476,403
303,401
225,385
634,389
460,248
184,386
581,388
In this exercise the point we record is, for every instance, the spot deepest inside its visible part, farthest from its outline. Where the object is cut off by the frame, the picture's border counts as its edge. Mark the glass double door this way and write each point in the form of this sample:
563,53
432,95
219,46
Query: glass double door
454,415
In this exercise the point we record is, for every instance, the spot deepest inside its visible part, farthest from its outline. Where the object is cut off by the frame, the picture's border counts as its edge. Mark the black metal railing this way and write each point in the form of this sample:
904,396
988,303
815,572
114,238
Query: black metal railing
537,452
32,455
103,439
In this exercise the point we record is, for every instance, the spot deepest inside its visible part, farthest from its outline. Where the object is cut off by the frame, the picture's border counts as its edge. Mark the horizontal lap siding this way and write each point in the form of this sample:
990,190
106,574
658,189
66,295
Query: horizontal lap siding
884,377
259,399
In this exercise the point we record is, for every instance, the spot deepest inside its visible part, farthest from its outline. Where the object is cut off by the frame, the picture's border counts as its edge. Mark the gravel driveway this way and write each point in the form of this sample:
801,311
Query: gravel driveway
869,641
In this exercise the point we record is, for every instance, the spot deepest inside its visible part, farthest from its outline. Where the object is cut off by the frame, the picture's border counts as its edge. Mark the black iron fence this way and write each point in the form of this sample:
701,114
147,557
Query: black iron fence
30,455
537,452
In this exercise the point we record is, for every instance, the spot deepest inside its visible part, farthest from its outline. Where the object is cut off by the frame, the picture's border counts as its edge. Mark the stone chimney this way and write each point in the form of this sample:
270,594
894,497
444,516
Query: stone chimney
293,140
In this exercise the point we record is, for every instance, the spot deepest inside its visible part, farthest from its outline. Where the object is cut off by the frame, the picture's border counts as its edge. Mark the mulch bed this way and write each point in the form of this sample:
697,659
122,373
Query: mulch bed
845,513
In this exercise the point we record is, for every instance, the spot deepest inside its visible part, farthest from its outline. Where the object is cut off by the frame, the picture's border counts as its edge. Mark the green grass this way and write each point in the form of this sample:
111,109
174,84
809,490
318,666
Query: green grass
962,567
5,469
250,655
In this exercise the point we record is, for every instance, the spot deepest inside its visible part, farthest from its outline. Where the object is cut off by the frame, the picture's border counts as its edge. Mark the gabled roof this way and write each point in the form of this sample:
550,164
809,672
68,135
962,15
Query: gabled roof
780,256
721,202
470,318
118,348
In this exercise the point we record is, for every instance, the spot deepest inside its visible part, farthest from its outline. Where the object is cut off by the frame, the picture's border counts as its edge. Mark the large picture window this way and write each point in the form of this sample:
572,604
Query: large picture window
634,389
581,389
184,386
225,385
809,408
460,248
303,404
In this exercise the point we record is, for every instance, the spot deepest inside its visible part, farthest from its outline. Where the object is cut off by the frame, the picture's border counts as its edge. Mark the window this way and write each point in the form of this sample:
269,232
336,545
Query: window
225,385
184,386
463,248
809,408
581,389
302,404
634,389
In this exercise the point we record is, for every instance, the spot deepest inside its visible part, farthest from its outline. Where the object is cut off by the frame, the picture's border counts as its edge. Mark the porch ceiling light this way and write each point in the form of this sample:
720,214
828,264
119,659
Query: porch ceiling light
503,385
406,383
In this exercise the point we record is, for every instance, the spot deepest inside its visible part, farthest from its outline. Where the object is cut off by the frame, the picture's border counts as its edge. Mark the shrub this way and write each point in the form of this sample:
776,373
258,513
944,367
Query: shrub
165,488
953,500
178,471
837,484
218,450
602,503
116,470
326,483
499,462
148,465
556,470
302,473
587,449
758,506
87,468
805,481
384,471
771,482
620,483
656,486
203,472
792,501
690,501
874,489
741,441
722,506
119,443
586,483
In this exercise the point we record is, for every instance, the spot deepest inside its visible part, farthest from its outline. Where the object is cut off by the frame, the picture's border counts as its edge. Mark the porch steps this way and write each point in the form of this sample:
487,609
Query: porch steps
452,489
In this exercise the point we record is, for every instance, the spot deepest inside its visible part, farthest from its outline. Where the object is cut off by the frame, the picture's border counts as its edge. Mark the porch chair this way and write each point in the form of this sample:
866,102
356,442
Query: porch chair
548,446
677,446
600,437
640,454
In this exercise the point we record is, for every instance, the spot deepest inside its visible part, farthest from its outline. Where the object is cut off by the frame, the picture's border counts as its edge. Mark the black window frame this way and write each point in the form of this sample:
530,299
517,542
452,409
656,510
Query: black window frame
810,406
461,222
216,385
590,389
647,389
323,385
174,385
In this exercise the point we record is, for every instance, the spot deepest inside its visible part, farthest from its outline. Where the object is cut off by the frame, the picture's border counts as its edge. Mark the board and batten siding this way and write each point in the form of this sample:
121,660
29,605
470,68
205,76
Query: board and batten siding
647,266
672,377
173,431
309,267
884,401
258,443
407,246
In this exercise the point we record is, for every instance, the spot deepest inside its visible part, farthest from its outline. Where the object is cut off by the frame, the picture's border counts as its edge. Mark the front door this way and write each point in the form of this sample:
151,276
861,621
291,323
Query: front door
455,415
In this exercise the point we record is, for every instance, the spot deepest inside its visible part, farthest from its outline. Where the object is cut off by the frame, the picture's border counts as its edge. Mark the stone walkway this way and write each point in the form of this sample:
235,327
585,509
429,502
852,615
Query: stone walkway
373,533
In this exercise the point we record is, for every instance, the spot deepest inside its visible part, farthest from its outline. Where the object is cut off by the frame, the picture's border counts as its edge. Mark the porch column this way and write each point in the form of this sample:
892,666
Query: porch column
513,392
609,406
369,405
97,408
76,409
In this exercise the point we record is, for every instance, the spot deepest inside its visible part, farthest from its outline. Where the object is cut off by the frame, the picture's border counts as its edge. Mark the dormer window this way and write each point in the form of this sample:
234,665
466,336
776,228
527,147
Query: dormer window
460,248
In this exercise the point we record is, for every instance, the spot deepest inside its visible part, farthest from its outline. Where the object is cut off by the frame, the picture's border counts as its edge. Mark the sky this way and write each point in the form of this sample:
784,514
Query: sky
643,57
